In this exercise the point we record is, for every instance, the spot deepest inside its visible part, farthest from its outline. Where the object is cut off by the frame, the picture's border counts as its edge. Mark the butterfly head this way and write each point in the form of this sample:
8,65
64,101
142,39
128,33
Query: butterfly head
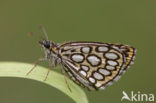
45,44
48,45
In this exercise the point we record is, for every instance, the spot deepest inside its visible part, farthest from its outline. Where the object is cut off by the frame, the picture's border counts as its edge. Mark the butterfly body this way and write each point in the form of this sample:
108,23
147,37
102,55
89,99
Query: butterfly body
90,64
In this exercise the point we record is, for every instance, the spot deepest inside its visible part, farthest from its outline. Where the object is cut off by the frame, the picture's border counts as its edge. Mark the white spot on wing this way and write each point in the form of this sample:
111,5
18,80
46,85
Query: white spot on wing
92,80
110,67
83,73
77,58
98,76
93,60
85,49
102,49
104,71
112,63
85,68
111,56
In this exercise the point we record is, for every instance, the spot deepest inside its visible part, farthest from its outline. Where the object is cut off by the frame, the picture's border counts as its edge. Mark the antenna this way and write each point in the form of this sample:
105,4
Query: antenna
44,31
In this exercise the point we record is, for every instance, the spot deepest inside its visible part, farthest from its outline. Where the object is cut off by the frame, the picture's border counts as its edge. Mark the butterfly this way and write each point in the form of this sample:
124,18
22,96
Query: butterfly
93,65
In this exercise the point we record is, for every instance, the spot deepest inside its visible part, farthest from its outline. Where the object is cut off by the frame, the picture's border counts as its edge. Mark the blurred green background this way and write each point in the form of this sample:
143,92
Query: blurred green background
130,22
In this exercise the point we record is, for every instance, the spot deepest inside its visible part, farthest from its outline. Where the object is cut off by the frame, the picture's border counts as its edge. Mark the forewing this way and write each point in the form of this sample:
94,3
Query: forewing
95,65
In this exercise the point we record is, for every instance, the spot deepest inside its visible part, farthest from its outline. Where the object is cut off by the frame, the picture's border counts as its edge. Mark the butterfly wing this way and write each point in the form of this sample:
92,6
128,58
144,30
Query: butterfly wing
95,65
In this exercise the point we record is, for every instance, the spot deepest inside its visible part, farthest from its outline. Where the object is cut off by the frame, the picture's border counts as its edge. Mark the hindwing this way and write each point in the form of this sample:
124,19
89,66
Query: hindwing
93,64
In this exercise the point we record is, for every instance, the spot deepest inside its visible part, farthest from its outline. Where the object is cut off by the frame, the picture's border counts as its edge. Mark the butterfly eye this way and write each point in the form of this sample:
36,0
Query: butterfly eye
47,44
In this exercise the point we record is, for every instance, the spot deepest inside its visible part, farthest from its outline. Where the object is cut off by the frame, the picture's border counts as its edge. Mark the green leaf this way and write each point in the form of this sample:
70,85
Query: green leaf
16,69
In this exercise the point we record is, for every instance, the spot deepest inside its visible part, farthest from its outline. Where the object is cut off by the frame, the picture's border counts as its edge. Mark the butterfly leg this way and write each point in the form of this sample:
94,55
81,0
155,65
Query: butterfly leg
35,64
65,78
50,66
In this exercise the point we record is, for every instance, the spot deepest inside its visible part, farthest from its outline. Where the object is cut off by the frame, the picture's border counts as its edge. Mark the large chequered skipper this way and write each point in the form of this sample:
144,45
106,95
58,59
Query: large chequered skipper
94,65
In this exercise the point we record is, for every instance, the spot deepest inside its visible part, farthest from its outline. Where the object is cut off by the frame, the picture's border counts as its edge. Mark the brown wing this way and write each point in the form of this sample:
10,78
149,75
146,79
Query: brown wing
95,65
